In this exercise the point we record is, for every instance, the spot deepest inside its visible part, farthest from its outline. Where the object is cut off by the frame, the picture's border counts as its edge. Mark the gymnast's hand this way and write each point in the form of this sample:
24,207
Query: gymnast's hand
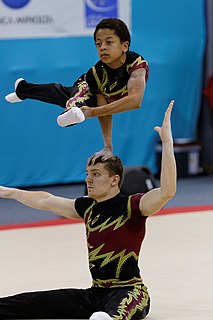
164,131
105,154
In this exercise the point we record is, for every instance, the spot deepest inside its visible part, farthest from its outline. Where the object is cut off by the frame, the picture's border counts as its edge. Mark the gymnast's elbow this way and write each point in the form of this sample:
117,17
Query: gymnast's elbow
168,194
136,101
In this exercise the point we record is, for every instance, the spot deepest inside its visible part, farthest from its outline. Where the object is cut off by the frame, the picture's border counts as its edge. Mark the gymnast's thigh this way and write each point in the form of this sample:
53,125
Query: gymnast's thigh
128,303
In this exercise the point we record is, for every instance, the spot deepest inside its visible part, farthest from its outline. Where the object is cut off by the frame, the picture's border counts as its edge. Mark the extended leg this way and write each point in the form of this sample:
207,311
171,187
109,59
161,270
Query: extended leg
54,304
54,93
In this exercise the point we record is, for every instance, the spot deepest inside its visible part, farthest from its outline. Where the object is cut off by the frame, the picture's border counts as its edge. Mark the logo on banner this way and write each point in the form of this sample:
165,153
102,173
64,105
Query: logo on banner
96,10
16,4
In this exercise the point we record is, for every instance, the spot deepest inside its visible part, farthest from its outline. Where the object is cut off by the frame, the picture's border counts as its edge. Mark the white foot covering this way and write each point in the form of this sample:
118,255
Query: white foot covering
72,116
100,316
12,97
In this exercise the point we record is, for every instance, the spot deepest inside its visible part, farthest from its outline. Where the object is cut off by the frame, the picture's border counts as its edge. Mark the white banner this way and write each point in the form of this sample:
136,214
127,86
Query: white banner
57,18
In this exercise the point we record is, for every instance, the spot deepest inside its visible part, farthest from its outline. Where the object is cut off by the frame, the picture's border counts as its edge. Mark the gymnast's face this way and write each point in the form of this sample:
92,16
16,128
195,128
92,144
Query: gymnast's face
100,185
110,48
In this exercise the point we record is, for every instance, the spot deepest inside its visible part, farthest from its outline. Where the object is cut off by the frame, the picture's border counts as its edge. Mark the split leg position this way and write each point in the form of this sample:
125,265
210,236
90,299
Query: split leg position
72,99
74,96
92,303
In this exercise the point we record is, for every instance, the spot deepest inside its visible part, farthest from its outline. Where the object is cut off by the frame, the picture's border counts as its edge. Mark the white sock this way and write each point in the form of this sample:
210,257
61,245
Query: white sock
17,82
100,316
72,116
12,97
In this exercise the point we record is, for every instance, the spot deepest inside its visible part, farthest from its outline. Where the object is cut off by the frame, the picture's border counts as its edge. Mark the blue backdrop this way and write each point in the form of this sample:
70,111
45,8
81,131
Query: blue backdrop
35,151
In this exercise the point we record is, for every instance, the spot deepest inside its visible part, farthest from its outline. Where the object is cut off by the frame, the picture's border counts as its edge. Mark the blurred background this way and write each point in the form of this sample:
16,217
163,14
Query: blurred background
47,41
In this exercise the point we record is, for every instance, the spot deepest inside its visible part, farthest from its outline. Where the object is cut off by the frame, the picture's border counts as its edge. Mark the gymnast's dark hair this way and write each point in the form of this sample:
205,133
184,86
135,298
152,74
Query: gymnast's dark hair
113,165
117,25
